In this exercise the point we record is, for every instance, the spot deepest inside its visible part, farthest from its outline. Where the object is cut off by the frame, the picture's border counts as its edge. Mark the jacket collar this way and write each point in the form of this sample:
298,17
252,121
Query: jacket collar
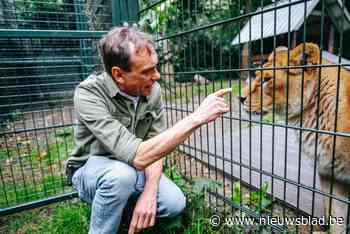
113,88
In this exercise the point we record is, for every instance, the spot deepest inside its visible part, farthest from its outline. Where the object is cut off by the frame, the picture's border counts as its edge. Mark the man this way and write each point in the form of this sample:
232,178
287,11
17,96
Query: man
121,137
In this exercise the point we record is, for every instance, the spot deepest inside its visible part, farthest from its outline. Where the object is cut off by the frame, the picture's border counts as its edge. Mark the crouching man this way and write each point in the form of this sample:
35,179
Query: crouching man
121,137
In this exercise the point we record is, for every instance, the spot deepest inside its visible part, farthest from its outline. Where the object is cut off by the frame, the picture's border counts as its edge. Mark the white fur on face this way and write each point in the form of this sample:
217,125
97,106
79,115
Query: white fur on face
264,85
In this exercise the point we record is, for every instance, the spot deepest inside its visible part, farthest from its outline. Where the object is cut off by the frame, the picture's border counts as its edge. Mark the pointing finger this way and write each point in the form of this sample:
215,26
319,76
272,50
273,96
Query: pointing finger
222,92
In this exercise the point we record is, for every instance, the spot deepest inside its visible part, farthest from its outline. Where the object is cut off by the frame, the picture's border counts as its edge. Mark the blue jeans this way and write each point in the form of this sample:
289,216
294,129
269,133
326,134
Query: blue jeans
107,184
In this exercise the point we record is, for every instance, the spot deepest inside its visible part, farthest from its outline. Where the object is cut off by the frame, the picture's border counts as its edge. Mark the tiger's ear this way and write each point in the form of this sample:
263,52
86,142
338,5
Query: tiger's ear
304,55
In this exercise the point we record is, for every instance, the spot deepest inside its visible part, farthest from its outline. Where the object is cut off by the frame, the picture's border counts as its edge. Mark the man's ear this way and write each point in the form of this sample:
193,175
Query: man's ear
308,54
117,74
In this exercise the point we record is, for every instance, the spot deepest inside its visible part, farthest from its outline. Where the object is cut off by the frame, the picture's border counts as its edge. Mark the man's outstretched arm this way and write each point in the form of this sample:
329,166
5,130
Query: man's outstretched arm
158,146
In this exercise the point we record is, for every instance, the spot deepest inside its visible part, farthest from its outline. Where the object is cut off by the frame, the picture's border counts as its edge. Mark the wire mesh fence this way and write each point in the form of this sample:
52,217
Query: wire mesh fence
55,15
46,49
282,149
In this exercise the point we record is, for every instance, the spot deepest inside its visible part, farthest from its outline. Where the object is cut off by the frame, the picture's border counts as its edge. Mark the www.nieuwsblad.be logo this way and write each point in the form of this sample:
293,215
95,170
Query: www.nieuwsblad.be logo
216,221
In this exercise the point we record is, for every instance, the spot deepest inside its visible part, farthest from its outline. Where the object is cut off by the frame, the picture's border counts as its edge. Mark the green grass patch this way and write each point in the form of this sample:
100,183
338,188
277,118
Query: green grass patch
65,217
34,169
258,201
73,216
16,193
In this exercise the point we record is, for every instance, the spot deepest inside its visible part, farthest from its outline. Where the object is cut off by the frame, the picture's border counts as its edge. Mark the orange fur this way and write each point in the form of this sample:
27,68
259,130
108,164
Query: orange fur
304,88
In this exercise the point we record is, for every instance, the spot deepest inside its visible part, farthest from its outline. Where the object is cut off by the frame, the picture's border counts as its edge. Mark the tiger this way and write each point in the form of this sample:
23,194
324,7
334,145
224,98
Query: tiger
306,89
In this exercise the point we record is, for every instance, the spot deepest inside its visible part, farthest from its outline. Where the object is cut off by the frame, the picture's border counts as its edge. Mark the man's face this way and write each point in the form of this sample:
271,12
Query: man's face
142,75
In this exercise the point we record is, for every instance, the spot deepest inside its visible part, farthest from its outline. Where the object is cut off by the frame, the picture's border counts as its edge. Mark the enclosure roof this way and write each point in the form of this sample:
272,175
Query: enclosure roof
335,59
334,9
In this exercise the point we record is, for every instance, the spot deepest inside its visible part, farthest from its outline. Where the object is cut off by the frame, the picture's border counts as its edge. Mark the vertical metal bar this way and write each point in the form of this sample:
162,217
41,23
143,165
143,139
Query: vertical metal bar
240,112
274,102
183,39
222,120
81,25
286,117
186,103
249,45
116,12
261,98
301,116
206,125
231,118
187,94
317,113
340,51
199,102
133,9
193,108
167,104
214,132
187,109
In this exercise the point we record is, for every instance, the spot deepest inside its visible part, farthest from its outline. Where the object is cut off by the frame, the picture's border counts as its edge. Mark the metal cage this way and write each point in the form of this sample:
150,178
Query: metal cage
258,162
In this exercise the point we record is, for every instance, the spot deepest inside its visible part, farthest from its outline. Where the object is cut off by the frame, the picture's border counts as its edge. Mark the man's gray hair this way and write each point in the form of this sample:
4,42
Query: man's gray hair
115,49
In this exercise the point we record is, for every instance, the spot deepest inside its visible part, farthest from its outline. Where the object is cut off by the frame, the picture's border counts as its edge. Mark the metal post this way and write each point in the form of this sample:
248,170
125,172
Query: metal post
124,11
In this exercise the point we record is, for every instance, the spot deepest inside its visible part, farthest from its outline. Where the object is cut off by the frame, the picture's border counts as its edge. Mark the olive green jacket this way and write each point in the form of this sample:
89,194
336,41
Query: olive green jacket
107,123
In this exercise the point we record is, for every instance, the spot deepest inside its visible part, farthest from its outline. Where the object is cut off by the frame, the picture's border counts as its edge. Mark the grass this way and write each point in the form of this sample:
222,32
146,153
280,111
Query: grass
32,169
66,217
73,216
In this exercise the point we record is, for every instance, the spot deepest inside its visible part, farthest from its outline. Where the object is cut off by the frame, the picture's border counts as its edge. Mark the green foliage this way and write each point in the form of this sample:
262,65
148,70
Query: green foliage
258,200
73,216
206,49
202,49
37,167
66,217
156,19
17,193
195,218
236,196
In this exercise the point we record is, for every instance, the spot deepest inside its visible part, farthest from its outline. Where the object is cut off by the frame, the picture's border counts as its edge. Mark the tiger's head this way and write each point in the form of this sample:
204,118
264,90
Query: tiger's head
274,82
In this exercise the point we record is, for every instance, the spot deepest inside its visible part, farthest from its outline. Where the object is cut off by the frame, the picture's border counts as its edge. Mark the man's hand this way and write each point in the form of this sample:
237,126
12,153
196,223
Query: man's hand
145,212
212,107
157,147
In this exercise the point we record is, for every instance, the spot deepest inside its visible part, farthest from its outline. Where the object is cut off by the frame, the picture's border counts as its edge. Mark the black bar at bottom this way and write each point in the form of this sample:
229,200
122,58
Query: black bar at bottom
36,204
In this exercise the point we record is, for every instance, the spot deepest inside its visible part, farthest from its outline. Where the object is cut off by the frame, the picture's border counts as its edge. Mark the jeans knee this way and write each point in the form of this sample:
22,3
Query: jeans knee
176,205
118,183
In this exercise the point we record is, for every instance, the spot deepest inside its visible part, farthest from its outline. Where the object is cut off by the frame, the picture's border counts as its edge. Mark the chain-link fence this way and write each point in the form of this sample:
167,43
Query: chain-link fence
280,152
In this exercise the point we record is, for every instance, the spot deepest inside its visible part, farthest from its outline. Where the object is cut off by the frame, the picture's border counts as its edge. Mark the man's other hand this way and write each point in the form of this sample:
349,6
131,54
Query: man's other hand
212,107
144,214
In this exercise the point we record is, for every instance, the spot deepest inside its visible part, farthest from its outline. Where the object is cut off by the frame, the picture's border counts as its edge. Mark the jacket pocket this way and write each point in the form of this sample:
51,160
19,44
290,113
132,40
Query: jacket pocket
124,120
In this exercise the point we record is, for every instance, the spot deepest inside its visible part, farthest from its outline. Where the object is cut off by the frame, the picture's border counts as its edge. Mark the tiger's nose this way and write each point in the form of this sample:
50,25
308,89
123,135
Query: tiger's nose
242,99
